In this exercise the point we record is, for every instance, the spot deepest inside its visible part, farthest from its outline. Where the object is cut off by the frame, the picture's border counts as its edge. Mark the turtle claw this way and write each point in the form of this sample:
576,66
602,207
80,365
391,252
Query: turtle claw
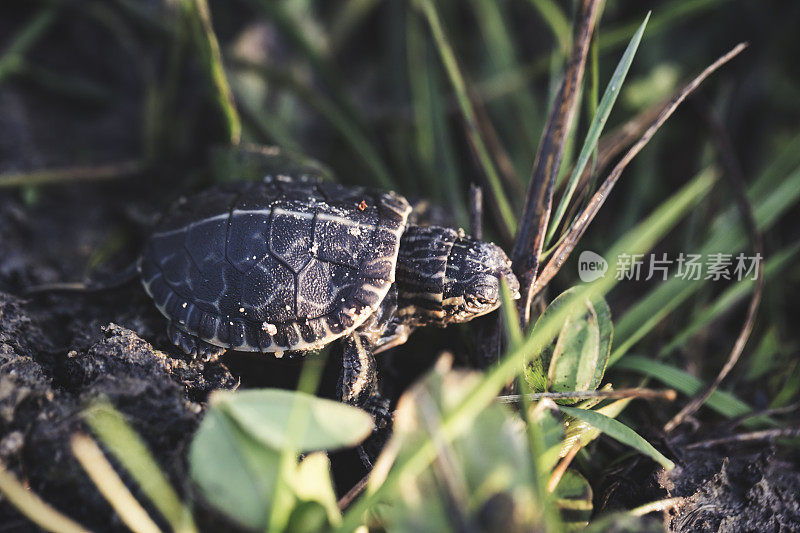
191,345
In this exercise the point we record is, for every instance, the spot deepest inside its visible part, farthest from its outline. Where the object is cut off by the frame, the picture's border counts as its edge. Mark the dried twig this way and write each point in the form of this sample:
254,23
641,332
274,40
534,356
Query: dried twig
735,177
581,223
767,434
559,470
764,413
538,203
72,174
657,506
644,394
345,501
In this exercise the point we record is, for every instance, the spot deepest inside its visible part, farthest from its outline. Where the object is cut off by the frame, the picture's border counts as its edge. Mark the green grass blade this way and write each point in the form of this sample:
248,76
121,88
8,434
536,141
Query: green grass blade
434,148
314,51
596,127
510,320
127,447
348,17
420,82
731,297
269,130
34,508
11,59
109,484
722,402
502,57
508,82
620,432
448,57
208,46
726,236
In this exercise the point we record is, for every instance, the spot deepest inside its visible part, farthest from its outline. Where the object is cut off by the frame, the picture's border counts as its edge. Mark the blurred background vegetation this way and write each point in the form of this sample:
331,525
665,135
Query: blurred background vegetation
129,97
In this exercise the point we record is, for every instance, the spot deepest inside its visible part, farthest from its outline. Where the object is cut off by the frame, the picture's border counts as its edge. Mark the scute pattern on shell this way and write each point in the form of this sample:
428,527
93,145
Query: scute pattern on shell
283,264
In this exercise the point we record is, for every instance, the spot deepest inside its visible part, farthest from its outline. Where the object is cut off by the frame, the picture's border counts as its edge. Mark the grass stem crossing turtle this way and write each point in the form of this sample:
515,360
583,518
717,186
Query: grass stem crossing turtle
290,264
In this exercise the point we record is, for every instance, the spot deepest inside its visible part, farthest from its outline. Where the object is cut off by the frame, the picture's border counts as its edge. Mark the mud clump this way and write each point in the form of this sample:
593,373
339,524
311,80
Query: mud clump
732,490
43,392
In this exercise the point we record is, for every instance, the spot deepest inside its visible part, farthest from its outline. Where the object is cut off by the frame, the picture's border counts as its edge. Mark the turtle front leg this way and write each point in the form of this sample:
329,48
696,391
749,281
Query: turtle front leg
358,383
192,345
358,386
358,380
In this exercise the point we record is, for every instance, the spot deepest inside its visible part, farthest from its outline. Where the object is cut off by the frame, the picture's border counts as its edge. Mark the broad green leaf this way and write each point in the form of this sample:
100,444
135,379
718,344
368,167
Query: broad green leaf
317,424
236,473
535,374
577,360
606,326
308,517
246,474
619,431
574,358
574,500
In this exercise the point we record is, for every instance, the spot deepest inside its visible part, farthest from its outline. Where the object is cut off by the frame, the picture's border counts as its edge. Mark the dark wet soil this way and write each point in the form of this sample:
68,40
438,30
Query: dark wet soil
732,487
735,489
43,391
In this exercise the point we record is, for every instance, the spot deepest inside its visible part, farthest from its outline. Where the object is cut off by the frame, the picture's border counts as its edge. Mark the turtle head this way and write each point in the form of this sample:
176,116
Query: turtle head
473,277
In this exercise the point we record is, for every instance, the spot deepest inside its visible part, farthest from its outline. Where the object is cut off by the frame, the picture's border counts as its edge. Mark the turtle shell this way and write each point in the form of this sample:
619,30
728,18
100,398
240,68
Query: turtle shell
283,264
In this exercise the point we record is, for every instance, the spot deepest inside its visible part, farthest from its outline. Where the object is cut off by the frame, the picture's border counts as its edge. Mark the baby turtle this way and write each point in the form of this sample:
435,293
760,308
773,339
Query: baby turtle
291,264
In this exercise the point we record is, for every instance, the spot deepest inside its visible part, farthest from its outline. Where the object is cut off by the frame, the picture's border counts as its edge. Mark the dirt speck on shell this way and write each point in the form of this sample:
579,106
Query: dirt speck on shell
43,391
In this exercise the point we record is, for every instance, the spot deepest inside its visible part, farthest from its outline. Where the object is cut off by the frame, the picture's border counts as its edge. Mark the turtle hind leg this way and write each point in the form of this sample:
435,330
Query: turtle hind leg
192,345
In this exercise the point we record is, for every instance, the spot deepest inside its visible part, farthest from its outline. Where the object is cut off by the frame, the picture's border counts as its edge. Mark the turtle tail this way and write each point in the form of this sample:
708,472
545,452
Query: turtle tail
114,281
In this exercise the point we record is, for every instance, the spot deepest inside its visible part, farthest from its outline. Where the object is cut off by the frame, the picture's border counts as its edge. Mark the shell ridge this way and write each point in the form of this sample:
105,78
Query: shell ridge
228,223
